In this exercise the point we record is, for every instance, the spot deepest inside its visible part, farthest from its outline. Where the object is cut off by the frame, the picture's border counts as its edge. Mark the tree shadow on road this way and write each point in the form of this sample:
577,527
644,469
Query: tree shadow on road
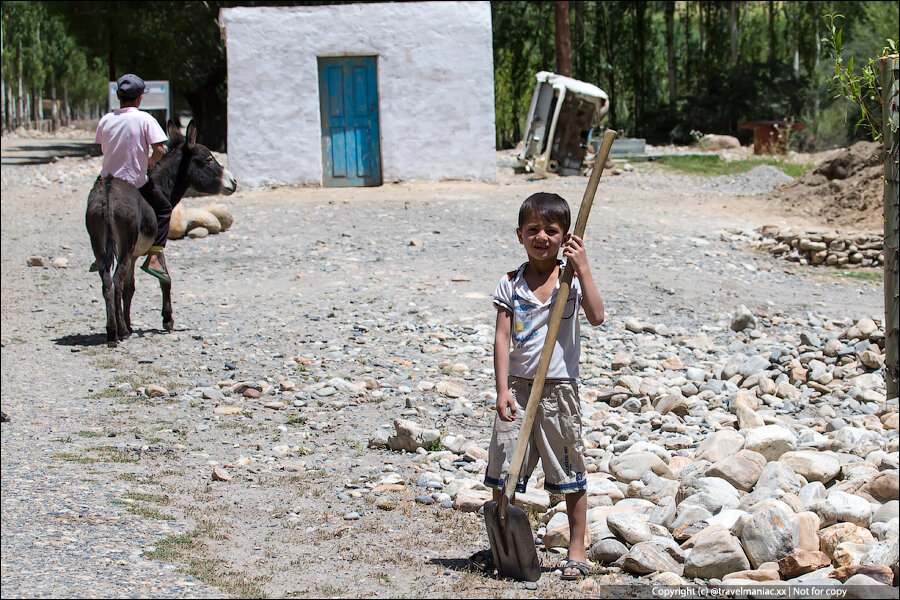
38,155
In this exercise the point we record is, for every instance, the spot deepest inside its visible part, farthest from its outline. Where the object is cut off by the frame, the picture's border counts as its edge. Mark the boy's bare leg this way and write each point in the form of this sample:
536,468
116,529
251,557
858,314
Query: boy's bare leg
576,509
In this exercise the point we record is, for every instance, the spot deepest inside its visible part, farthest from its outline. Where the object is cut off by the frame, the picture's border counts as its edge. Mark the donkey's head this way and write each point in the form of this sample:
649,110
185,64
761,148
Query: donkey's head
199,169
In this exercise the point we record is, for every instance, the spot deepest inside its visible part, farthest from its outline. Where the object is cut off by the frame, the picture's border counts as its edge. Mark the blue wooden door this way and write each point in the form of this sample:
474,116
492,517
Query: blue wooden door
348,100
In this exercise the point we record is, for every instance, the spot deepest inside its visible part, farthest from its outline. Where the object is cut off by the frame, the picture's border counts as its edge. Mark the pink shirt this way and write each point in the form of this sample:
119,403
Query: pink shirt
125,136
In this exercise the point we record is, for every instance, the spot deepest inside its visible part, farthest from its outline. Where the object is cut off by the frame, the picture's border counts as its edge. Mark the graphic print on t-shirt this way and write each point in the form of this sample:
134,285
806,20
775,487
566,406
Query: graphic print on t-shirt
523,311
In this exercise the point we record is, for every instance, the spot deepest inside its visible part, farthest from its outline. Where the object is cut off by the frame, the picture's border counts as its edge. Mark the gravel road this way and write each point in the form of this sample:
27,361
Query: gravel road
344,309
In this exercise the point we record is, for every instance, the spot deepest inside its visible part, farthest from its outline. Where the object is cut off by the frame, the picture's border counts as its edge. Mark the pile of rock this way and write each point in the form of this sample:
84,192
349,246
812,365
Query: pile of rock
199,222
749,453
830,248
846,189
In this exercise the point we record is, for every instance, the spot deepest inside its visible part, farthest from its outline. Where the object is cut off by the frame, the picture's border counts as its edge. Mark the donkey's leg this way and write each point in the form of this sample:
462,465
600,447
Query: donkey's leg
109,293
120,277
127,295
166,287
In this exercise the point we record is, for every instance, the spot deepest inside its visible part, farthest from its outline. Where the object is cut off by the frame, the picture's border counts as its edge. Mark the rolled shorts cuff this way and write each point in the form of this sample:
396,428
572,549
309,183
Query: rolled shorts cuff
580,484
499,484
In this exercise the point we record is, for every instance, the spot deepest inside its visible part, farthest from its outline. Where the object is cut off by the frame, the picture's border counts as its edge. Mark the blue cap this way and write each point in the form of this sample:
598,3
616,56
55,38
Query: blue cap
129,87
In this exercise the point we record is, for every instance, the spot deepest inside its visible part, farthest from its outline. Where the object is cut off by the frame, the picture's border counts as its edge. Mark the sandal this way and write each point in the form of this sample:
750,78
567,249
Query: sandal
482,561
583,569
161,275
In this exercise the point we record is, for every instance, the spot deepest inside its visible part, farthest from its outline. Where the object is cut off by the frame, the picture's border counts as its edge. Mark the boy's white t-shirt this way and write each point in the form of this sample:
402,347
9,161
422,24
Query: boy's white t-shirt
529,327
125,135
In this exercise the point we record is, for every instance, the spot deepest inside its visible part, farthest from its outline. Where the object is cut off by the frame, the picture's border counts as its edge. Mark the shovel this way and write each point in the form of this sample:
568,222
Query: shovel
508,528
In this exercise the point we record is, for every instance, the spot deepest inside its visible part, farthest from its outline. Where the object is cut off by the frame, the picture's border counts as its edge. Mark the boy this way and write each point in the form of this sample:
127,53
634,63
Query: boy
524,300
127,136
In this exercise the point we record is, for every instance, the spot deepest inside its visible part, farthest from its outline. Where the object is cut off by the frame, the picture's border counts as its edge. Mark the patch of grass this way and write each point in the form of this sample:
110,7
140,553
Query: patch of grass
136,478
330,591
113,454
244,427
874,275
69,457
712,165
90,434
147,497
862,274
104,363
172,548
109,393
297,419
142,510
434,446
189,550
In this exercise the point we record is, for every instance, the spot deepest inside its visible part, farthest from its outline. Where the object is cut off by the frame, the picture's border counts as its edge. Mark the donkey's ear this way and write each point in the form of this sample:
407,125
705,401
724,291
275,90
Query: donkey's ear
172,129
191,134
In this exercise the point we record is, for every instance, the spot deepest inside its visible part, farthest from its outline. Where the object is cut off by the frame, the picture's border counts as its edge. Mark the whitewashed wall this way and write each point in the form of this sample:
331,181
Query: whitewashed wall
435,88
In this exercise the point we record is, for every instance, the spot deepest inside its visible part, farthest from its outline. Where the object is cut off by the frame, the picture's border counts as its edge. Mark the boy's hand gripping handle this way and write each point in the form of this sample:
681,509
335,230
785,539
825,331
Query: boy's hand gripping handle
559,306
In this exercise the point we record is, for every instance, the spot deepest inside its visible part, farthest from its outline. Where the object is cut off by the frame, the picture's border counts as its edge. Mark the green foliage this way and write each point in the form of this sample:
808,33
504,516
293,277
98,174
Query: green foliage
776,72
861,88
516,55
712,165
38,49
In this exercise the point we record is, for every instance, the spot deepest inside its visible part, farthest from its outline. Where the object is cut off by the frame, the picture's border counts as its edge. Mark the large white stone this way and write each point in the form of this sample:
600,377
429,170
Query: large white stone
715,555
812,465
630,467
768,536
741,470
719,445
629,527
777,475
649,557
770,440
850,508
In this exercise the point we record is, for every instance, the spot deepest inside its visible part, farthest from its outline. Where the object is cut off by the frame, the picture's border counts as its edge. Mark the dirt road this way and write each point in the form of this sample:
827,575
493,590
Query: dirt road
110,492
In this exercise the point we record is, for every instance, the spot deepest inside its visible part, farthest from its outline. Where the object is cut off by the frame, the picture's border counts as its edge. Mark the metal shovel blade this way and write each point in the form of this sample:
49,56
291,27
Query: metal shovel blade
512,543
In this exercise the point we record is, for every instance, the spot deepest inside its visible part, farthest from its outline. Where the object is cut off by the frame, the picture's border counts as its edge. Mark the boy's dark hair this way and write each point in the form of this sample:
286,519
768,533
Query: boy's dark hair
549,206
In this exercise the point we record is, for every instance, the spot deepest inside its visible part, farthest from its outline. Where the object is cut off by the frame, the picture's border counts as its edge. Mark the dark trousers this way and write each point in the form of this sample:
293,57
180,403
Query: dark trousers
161,207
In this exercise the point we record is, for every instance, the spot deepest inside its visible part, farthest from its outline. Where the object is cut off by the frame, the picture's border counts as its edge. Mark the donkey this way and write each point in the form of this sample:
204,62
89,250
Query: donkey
122,225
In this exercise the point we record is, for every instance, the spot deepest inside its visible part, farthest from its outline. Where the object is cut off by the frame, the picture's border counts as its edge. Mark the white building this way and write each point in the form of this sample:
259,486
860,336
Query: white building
360,94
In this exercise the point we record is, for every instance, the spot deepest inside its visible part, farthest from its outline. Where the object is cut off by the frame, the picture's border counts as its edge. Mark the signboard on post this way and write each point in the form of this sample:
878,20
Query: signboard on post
156,96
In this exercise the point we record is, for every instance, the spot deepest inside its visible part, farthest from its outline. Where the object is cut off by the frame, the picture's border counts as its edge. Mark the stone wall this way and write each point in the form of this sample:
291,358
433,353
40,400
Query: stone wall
830,248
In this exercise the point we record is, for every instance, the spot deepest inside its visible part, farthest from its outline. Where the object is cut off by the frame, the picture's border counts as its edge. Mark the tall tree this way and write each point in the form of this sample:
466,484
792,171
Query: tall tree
175,41
670,52
639,45
579,51
563,38
771,37
610,16
734,6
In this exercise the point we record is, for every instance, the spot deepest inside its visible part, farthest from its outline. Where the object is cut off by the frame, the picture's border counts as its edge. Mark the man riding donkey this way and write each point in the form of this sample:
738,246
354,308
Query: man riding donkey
127,136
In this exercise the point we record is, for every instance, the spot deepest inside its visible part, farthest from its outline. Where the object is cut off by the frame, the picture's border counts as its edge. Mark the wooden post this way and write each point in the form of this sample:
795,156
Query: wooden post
890,113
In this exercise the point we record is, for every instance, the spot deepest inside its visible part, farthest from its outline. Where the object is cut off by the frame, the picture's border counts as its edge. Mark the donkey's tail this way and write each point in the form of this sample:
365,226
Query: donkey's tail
105,263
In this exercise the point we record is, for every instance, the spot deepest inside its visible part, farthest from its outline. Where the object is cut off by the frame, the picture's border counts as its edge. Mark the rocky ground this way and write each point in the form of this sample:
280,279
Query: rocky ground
734,411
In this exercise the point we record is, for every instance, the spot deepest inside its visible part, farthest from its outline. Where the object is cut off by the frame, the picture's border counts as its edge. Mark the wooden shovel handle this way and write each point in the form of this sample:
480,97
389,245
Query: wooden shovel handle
515,465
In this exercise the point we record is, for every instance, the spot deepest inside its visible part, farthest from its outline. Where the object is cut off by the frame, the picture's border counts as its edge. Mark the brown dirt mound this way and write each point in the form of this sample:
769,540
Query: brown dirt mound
845,190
